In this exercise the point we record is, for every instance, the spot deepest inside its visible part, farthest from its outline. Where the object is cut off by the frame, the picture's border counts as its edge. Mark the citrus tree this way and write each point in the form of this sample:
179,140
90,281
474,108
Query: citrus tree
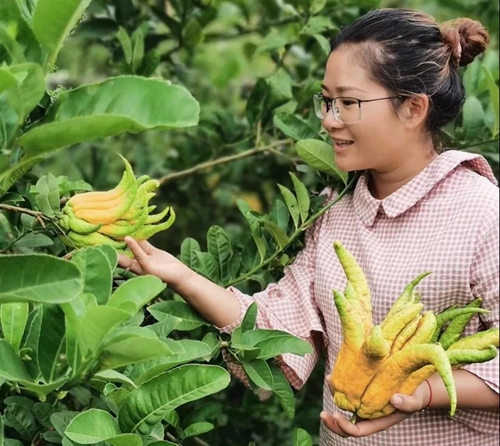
90,354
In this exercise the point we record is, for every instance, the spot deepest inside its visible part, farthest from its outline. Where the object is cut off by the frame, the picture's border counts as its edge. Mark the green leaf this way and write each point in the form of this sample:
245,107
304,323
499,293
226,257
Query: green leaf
137,40
148,404
22,420
52,22
294,127
13,319
135,293
38,278
47,198
318,25
131,351
280,89
43,412
277,233
219,246
494,99
250,318
280,215
189,247
92,426
96,272
114,376
120,104
207,266
192,351
11,366
31,82
291,204
259,373
473,118
111,254
273,41
18,29
192,33
125,43
198,428
282,388
302,194
273,343
301,438
51,344
191,319
320,156
32,240
98,321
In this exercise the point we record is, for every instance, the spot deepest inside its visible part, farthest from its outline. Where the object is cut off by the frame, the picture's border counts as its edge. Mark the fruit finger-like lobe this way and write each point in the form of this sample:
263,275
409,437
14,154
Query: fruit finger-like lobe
350,320
71,223
127,179
408,295
353,271
155,218
457,325
405,334
470,356
107,216
82,241
396,370
356,277
408,387
392,326
480,340
424,331
376,346
450,313
149,230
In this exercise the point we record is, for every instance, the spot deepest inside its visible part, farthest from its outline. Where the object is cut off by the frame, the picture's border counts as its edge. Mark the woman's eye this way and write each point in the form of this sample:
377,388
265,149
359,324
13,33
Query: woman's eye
348,102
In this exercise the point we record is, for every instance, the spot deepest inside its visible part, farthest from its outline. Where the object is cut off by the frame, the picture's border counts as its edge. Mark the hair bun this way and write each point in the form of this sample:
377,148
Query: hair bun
466,38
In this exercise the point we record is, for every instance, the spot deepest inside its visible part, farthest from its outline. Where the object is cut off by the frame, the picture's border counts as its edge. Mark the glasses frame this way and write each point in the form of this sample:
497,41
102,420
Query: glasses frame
330,105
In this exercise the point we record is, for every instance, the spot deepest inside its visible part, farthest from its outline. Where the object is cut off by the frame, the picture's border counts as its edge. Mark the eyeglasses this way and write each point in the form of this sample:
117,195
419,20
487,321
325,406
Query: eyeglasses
345,110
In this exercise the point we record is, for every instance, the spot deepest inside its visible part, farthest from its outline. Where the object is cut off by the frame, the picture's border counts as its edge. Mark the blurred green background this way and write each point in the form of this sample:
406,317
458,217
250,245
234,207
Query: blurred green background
246,62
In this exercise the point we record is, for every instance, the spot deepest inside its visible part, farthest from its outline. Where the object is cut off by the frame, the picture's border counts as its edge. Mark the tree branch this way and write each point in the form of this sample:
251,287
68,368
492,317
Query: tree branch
37,214
225,159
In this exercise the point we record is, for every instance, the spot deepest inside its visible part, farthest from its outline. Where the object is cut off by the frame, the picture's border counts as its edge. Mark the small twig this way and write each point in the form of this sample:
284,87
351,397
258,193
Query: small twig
37,214
69,255
226,159
199,441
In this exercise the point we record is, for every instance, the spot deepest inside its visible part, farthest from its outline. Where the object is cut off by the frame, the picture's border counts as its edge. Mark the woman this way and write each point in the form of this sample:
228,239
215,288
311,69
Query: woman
391,82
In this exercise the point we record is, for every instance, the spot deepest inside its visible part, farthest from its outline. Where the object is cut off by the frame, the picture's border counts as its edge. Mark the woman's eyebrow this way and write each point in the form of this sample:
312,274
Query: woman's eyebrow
342,89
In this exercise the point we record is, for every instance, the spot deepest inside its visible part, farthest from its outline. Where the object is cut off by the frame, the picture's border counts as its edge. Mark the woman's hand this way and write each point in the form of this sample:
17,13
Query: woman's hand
406,405
150,260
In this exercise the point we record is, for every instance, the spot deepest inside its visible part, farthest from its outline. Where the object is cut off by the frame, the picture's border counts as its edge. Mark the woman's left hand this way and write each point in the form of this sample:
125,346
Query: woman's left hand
406,405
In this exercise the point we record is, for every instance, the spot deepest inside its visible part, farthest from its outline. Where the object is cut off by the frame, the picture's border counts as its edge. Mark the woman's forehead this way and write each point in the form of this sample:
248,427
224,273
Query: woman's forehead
344,73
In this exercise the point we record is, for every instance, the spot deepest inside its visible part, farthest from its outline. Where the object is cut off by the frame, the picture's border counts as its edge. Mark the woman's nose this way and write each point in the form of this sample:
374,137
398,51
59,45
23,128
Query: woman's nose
330,121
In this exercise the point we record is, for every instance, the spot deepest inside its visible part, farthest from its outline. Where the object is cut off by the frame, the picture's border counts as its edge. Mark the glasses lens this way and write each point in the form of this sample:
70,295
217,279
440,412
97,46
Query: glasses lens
347,110
319,106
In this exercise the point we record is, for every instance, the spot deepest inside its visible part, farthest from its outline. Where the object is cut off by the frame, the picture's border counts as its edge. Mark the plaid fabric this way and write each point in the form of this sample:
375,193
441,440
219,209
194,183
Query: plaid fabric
445,220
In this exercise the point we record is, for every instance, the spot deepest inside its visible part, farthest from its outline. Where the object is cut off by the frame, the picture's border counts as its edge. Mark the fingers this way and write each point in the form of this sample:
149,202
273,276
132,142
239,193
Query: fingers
331,423
406,403
130,264
137,249
146,247
329,382
341,426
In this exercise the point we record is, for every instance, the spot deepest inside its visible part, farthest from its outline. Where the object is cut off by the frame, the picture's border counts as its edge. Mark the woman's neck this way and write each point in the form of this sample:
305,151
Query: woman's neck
384,183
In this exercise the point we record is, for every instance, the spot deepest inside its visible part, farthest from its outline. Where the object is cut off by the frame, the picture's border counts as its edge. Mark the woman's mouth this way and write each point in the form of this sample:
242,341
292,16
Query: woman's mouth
341,144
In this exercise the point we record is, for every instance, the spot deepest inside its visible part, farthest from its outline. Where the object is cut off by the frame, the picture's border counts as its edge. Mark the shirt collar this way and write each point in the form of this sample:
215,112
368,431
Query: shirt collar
367,207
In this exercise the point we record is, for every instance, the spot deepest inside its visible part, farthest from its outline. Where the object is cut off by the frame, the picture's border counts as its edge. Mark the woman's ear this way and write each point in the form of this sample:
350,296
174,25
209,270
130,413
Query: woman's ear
415,110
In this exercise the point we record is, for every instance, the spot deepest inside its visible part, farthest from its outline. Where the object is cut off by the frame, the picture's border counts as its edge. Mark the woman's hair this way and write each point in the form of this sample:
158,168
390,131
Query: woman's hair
407,52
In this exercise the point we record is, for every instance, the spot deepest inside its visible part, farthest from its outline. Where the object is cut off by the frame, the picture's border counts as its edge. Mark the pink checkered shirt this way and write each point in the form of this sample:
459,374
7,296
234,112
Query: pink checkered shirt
445,220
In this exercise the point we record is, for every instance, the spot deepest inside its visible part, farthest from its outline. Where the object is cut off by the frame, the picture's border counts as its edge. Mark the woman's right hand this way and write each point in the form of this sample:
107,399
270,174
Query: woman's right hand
150,260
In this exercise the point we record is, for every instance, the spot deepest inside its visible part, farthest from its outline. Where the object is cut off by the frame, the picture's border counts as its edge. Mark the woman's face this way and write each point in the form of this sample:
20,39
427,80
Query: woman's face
378,140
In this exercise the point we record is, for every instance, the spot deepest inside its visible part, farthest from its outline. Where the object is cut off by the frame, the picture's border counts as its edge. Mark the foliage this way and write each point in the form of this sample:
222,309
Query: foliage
84,345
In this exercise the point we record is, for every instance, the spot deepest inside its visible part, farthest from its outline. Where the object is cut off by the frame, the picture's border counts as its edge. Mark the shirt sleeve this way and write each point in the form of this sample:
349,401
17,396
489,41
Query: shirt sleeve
485,284
290,306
